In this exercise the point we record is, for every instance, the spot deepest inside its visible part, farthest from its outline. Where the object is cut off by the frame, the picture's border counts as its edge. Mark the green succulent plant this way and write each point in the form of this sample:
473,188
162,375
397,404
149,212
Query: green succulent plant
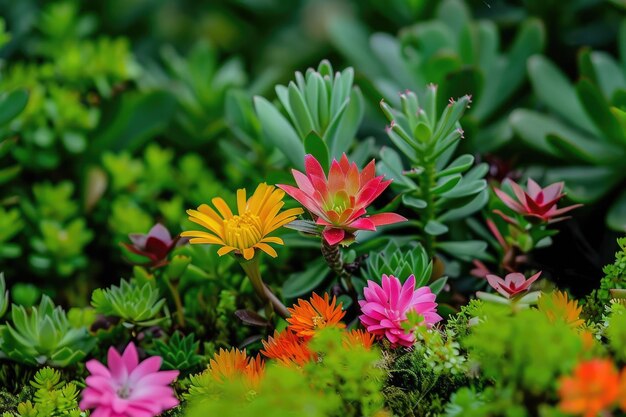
200,83
11,224
585,129
53,397
135,304
454,51
402,262
179,352
12,103
438,189
44,336
322,111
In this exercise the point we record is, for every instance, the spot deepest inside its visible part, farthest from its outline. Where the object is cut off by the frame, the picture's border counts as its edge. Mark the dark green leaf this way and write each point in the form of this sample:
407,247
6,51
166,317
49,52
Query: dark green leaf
314,145
11,105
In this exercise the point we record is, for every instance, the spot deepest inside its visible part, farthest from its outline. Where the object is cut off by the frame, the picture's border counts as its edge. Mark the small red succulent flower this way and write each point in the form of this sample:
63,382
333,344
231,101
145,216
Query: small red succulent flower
536,203
155,245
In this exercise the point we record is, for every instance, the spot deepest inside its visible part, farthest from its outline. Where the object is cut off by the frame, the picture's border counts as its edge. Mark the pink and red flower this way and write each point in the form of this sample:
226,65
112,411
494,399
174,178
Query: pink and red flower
155,245
385,308
339,201
536,203
513,284
128,388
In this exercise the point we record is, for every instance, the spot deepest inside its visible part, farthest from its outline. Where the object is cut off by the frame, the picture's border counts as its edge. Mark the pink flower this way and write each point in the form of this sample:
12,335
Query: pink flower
128,388
340,201
155,245
385,308
537,203
513,284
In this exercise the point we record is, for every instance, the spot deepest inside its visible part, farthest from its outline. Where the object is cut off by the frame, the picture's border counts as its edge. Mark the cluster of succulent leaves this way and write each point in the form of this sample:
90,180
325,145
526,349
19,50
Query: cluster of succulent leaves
614,279
51,396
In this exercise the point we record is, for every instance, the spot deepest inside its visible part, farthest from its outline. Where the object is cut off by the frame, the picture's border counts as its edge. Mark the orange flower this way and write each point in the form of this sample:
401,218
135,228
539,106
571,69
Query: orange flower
317,313
233,363
359,337
288,348
593,388
557,306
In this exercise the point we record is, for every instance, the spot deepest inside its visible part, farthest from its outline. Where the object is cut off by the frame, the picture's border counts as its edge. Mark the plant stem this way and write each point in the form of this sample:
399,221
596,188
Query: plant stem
253,271
332,255
427,181
180,315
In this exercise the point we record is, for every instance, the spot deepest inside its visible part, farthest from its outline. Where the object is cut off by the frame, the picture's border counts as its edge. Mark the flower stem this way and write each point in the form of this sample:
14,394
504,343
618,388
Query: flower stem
332,255
272,303
180,315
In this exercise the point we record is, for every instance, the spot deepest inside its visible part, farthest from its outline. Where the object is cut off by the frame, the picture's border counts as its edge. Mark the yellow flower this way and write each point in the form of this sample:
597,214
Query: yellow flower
557,306
247,230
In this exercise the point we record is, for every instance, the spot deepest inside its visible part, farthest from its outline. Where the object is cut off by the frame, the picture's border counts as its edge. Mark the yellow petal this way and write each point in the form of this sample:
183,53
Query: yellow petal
258,198
271,202
273,239
201,240
222,207
206,209
203,235
241,201
224,250
267,249
248,253
282,219
205,221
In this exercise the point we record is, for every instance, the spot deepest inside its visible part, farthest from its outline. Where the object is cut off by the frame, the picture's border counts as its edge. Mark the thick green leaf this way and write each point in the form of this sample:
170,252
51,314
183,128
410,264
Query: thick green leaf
434,228
460,164
314,145
414,202
616,217
303,120
608,73
280,132
343,136
578,148
467,250
446,184
554,89
304,282
11,105
477,203
534,128
598,108
437,285
529,41
586,184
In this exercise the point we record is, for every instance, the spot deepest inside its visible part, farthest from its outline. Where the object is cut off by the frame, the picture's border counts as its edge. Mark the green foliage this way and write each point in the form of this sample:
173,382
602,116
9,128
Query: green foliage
44,336
439,190
454,51
614,278
134,303
323,112
523,351
466,401
52,398
199,82
616,330
585,129
421,381
180,352
11,224
4,296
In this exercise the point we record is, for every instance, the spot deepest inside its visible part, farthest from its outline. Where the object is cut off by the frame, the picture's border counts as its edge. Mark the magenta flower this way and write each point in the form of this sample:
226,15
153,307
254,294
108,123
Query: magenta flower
536,203
339,202
385,308
128,388
513,284
155,245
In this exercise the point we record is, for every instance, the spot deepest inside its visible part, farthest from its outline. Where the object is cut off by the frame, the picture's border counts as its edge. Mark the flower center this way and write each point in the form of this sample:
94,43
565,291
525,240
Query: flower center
124,392
318,321
243,231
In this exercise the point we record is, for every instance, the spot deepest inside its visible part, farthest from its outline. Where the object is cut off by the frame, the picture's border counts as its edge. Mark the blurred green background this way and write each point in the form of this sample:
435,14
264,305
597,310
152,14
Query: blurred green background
117,114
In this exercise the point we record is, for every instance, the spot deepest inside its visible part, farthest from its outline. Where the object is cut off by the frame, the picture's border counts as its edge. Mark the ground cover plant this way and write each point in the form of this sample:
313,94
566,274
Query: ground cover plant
312,208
